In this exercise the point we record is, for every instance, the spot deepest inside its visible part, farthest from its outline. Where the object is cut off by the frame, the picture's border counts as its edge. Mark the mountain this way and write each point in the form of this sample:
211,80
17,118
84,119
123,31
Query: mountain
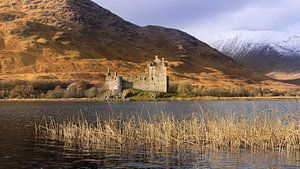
72,40
274,53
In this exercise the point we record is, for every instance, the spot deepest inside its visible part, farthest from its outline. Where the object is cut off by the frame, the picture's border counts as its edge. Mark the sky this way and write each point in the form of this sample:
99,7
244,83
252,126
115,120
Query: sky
205,18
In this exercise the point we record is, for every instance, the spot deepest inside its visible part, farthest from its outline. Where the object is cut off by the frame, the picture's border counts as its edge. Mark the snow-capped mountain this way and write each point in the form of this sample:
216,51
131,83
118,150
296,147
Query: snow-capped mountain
267,51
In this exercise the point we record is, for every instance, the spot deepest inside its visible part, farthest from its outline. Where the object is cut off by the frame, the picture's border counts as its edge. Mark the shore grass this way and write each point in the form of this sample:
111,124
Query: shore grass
165,132
205,98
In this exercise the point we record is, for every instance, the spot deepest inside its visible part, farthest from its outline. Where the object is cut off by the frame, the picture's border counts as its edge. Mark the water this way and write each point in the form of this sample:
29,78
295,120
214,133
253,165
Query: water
20,149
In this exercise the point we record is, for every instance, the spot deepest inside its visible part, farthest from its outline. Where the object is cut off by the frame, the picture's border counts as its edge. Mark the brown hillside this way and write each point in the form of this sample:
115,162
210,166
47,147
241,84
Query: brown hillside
71,40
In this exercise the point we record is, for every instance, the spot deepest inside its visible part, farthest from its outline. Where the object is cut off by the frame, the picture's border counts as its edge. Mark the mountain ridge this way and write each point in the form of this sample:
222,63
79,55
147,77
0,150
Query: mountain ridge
285,43
71,40
268,51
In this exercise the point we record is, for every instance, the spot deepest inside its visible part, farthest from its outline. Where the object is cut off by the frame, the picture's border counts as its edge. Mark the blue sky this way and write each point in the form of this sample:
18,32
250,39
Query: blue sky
204,18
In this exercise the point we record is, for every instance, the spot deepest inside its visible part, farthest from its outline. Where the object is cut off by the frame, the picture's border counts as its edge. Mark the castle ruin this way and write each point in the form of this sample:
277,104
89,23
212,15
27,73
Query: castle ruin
154,79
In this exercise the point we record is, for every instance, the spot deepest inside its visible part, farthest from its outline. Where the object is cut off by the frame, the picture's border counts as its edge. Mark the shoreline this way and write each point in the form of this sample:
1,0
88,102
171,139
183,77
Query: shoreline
207,98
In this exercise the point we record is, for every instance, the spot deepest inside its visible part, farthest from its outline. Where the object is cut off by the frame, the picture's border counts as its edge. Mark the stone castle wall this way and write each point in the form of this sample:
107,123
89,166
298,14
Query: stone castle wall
154,79
114,83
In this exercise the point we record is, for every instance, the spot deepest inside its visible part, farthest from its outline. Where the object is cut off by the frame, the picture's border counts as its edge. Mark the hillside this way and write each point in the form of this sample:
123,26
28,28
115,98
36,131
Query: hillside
69,40
274,53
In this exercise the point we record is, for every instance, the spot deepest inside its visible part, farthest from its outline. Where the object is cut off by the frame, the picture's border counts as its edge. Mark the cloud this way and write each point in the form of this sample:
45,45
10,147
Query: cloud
203,18
169,12
275,17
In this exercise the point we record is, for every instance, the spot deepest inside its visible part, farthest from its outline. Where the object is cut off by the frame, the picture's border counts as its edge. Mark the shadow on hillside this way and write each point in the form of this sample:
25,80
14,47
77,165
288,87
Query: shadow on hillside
94,44
293,81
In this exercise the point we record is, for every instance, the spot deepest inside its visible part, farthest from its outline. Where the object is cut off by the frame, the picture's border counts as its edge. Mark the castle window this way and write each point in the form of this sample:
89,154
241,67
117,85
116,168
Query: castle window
152,78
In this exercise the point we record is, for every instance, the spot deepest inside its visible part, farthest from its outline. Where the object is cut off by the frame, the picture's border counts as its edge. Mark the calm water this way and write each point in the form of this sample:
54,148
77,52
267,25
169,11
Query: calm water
20,149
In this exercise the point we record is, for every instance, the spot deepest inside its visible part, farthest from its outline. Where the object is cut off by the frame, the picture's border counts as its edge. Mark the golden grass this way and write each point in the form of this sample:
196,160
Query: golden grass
200,98
231,132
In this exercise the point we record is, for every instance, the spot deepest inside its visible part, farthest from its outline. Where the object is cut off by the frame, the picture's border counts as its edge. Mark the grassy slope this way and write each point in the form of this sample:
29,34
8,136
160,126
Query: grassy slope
59,46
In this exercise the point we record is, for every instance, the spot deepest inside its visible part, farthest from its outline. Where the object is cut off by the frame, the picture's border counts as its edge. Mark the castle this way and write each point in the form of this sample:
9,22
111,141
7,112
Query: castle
154,79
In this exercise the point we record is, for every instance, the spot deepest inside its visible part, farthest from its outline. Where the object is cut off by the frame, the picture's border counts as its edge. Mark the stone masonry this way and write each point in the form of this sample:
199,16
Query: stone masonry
154,79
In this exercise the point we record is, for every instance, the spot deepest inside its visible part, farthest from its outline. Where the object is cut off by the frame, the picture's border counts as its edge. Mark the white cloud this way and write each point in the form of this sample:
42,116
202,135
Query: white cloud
275,17
203,18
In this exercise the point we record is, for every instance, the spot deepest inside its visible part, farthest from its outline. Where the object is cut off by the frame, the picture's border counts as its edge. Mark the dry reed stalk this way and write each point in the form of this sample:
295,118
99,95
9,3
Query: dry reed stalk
231,132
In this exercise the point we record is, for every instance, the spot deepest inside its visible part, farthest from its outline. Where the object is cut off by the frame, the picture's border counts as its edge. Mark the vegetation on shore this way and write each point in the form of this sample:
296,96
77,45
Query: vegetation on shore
205,98
84,90
265,132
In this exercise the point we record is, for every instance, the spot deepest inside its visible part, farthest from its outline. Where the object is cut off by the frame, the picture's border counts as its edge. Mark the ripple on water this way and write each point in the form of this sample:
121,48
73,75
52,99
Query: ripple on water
19,148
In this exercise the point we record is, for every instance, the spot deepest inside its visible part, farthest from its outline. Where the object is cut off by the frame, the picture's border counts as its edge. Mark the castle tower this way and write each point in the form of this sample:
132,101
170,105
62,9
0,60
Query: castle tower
157,75
118,84
154,79
114,83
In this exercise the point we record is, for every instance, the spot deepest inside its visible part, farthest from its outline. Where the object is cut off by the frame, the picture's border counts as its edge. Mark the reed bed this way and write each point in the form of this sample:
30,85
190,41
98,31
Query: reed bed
165,132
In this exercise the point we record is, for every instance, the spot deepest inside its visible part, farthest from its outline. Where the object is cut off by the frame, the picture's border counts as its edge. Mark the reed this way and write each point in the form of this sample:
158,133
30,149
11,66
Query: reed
165,132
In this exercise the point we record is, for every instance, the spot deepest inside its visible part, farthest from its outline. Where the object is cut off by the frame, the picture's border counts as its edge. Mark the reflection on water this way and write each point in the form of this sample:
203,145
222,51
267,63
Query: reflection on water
109,158
19,148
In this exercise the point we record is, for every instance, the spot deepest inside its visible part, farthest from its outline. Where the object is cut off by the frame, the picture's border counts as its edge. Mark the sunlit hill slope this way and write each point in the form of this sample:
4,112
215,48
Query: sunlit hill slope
69,40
